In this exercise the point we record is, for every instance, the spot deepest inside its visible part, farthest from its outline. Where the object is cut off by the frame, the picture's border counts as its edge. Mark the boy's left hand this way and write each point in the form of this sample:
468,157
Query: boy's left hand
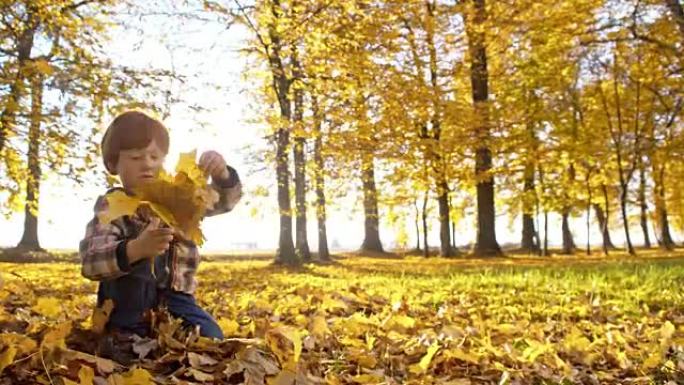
213,164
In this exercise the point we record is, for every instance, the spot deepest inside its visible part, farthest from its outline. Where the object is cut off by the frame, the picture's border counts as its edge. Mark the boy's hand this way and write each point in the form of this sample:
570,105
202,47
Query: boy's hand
151,242
214,165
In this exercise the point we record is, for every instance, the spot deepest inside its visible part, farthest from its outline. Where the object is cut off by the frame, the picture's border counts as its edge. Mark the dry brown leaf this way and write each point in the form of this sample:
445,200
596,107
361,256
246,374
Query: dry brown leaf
199,361
101,316
143,347
104,366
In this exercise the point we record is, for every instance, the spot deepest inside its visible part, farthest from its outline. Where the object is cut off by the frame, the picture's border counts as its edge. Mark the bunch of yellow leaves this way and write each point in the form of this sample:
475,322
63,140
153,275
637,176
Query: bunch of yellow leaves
180,201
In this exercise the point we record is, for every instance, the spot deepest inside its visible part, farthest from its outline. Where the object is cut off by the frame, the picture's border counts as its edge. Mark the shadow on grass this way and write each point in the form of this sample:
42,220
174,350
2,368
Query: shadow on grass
21,255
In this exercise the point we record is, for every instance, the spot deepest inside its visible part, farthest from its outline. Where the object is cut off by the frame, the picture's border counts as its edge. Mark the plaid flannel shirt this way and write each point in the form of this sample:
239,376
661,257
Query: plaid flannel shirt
103,249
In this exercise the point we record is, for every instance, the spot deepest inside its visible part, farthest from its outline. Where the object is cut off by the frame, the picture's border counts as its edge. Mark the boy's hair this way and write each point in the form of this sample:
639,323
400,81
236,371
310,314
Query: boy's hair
131,130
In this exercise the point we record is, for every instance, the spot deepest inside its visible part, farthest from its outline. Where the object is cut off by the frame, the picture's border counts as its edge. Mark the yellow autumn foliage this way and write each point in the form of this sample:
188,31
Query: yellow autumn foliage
180,201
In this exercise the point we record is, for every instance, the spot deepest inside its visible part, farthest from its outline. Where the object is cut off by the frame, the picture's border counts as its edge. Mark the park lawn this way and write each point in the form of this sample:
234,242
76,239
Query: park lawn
374,320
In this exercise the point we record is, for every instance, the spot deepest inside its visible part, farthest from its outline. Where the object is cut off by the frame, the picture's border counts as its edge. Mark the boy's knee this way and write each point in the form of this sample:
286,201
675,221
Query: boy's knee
210,329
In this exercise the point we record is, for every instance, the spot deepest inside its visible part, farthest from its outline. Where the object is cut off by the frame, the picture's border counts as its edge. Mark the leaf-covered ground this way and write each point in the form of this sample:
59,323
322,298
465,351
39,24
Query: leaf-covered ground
369,321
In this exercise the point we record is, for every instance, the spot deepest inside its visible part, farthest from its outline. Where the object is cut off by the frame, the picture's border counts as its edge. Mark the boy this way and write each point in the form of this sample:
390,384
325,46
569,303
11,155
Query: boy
120,254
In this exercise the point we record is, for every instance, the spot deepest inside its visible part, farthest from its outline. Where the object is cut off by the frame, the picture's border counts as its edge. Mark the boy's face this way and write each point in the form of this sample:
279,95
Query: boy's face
137,166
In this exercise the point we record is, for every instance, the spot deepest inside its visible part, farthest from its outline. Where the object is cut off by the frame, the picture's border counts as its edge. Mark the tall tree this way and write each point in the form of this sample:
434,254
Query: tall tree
301,241
486,243
269,34
29,239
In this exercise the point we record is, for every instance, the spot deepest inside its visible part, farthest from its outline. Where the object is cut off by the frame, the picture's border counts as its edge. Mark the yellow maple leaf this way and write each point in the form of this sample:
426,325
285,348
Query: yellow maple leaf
180,201
278,339
101,316
319,326
119,204
21,342
228,326
67,381
163,213
175,203
7,357
667,330
86,375
55,337
48,306
427,358
137,376
187,165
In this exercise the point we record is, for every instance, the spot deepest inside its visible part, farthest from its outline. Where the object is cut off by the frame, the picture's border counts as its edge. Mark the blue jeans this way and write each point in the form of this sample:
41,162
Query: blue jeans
182,305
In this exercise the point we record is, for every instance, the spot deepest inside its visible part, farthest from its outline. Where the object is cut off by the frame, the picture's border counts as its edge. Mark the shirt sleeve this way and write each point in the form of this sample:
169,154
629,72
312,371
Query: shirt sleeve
230,192
103,249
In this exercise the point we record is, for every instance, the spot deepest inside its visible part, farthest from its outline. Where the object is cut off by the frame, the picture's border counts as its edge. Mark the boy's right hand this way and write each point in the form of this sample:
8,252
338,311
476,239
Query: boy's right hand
151,242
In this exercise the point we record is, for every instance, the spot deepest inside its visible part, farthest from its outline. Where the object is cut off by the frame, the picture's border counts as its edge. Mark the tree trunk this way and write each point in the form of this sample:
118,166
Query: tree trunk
528,232
453,228
281,84
587,183
603,218
323,252
29,240
417,222
643,205
625,220
371,241
665,240
16,91
426,248
301,238
568,242
445,249
486,244
624,176
545,248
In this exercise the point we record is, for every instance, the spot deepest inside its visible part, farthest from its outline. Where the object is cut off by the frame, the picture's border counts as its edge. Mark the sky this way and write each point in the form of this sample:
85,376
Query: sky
212,53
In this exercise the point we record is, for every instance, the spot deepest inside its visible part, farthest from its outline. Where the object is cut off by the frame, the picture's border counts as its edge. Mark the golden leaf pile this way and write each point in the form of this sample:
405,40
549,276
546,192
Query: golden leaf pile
180,201
367,321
